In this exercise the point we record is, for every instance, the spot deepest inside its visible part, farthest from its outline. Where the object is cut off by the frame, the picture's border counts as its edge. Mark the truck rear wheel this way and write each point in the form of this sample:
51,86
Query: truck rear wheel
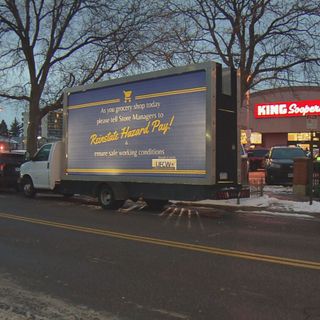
27,187
107,199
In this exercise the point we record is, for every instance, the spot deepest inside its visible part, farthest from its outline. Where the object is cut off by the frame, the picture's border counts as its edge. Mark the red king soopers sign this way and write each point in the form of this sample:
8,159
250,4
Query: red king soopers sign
287,109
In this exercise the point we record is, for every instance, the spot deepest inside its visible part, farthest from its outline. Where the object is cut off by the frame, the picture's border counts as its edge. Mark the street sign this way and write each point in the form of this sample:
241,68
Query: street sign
312,122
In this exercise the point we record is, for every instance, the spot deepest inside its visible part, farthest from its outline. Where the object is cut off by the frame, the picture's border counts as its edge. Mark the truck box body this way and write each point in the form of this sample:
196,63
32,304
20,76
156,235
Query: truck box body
170,134
173,126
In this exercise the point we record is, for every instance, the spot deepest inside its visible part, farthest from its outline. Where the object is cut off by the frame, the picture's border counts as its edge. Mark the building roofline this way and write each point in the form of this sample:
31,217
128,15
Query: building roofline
285,89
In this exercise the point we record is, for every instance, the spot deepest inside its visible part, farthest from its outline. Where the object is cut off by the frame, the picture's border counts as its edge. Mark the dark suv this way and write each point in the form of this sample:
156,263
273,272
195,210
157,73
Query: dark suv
279,164
10,168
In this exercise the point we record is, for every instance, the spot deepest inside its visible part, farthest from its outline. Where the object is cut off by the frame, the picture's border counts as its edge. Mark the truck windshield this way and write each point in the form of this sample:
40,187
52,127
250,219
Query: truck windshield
43,153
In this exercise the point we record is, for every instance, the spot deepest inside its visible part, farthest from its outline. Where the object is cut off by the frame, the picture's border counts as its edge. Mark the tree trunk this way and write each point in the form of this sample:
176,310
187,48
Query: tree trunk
33,128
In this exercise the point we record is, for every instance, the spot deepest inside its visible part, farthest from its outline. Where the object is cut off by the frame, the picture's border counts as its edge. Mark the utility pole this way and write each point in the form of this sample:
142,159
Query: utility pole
311,170
312,126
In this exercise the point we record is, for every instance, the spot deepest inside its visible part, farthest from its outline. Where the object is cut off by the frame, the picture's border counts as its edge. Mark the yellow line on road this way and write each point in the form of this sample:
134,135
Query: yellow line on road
173,244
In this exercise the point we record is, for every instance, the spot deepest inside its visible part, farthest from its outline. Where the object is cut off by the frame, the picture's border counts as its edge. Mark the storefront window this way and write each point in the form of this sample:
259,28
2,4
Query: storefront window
256,138
299,136
248,137
243,138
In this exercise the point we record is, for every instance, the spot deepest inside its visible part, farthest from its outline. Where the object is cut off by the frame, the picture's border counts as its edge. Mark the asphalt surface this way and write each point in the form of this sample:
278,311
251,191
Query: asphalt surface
69,259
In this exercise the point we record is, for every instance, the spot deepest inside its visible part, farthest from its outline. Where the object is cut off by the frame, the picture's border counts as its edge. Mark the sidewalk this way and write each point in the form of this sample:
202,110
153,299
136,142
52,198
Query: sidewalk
274,200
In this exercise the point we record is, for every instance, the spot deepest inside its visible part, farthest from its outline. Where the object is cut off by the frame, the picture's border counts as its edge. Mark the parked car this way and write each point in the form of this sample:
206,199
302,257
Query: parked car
10,162
257,158
279,164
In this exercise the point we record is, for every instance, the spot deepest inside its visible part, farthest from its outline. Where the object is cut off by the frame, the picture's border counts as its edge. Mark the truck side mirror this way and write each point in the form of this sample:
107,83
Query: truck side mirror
27,156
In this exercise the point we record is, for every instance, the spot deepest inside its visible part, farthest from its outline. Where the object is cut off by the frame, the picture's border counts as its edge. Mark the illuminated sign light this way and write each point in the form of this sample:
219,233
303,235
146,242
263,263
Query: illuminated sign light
287,109
164,164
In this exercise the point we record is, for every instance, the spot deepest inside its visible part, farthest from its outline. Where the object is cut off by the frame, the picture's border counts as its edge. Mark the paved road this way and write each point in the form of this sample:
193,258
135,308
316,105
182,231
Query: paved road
69,259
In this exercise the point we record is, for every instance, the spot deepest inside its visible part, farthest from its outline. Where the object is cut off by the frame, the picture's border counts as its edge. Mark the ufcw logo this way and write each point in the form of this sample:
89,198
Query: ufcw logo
127,95
164,164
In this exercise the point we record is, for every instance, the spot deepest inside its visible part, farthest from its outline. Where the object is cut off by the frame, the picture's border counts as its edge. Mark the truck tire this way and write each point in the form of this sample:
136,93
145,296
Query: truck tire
27,187
107,200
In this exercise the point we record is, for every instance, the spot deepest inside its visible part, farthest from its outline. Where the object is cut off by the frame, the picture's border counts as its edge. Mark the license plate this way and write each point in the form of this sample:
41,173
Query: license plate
290,175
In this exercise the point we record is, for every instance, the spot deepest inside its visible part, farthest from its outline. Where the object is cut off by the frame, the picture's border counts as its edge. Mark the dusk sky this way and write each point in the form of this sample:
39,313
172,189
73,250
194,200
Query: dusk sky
9,112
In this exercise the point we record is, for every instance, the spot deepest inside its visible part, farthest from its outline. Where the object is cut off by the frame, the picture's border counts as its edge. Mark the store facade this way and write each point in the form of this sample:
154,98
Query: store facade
283,116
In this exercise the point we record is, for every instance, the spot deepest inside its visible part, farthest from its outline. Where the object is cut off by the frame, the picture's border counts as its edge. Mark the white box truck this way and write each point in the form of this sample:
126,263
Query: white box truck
170,134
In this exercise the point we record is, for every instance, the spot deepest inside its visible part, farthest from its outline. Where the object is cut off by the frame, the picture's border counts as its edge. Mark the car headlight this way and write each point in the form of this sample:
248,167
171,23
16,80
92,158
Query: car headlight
275,165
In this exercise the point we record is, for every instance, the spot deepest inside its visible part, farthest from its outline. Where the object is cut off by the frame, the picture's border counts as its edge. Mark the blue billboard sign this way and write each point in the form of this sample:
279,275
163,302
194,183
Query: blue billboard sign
151,127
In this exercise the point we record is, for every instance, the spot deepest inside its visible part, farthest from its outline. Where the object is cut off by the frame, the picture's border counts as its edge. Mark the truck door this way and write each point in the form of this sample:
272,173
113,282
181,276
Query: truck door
40,167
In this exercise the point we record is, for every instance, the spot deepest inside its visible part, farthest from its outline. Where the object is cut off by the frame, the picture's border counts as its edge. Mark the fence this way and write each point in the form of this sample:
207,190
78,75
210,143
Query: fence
316,179
256,185
257,182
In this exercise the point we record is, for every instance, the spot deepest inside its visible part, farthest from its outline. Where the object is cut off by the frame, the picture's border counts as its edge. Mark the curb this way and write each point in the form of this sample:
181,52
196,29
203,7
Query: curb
234,208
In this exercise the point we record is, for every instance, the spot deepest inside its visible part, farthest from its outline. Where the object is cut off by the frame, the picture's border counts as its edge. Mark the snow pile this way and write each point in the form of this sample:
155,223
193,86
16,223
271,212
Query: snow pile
270,201
278,189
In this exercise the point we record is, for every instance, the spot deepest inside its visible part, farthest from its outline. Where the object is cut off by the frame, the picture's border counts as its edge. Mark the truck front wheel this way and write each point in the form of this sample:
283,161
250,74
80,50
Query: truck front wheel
27,186
107,199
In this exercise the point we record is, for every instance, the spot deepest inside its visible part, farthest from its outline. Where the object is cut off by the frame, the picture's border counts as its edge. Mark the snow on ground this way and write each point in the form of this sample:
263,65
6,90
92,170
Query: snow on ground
18,303
271,200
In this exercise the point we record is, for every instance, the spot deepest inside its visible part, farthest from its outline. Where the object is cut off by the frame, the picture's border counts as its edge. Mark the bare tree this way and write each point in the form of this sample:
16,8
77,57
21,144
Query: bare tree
274,41
49,45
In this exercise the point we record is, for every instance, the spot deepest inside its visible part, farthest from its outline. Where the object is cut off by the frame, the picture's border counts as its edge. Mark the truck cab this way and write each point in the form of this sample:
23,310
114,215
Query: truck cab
43,171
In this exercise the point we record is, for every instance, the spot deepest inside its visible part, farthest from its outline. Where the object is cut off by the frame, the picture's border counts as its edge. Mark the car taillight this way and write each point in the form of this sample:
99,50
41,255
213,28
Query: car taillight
1,166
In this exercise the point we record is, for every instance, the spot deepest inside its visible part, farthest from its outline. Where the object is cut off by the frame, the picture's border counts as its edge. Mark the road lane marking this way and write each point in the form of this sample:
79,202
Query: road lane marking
168,243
